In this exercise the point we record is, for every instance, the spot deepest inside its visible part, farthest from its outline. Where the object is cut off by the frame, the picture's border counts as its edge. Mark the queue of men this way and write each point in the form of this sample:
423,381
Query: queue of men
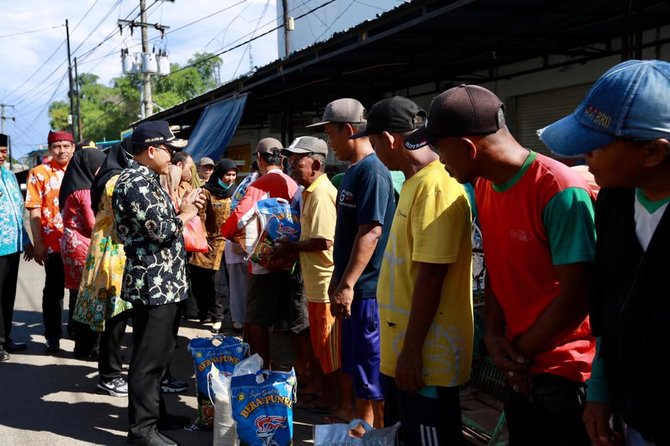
575,297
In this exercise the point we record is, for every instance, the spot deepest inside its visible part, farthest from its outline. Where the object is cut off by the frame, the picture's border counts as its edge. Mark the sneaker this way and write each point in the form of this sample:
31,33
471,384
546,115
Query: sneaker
115,387
216,327
173,385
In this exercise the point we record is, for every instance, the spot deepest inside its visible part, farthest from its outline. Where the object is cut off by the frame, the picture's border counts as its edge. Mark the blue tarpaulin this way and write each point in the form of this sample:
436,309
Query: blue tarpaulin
215,128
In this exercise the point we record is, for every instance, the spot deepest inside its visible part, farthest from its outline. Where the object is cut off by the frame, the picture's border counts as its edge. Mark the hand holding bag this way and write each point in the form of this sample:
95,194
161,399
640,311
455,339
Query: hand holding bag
195,239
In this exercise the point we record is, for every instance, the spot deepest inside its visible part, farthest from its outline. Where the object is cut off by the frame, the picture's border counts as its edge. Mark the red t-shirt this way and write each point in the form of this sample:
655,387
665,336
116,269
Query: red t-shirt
518,254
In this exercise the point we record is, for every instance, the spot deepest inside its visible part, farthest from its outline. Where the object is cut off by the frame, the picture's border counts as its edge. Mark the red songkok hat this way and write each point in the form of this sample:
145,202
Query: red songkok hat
60,135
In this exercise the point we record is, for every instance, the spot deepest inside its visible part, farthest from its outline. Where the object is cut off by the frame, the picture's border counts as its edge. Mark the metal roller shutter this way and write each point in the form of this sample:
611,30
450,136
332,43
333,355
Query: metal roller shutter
537,110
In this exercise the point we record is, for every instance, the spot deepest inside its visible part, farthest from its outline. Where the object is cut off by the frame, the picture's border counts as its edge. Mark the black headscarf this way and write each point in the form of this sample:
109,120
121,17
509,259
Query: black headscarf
80,172
117,159
213,185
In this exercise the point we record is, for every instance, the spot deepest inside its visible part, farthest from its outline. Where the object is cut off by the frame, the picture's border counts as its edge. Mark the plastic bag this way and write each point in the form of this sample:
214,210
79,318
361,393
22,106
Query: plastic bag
340,435
269,220
225,432
195,238
263,407
223,351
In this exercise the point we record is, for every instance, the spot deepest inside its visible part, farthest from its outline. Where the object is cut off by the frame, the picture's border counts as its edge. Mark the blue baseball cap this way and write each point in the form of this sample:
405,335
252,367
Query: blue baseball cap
631,100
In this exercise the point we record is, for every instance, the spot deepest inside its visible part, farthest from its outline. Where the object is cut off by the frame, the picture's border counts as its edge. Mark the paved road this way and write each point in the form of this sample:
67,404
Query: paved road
52,399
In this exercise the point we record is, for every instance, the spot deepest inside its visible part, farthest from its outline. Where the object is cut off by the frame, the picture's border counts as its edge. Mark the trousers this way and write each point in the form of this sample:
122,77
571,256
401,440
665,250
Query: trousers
153,348
9,274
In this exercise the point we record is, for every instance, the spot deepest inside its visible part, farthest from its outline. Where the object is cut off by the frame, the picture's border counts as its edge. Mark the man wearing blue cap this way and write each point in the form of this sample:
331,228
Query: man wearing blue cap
536,219
622,128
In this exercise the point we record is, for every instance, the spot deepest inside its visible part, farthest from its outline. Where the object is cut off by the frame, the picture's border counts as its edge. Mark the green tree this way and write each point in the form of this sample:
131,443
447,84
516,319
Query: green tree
108,110
208,65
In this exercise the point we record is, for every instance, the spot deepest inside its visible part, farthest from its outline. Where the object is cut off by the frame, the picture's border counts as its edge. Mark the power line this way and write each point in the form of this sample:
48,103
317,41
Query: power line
201,61
265,9
29,32
330,27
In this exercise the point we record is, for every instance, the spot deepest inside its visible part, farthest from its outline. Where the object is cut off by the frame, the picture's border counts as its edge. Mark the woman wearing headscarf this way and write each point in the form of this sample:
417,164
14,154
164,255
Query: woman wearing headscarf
78,221
99,304
218,193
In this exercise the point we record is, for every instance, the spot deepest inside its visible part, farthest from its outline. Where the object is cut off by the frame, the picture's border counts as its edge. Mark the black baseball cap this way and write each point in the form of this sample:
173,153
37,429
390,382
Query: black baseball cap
396,114
154,133
466,110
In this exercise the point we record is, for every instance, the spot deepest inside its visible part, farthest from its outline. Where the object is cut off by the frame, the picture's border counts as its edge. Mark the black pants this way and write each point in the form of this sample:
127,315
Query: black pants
424,421
110,365
86,341
52,297
153,348
9,274
553,413
204,291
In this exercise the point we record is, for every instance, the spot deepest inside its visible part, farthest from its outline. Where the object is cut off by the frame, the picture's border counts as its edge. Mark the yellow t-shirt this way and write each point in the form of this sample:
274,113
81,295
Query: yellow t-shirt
432,224
317,220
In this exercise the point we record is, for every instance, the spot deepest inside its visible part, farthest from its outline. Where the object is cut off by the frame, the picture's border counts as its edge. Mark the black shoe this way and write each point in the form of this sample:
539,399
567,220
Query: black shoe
170,384
14,347
4,356
169,421
52,346
157,439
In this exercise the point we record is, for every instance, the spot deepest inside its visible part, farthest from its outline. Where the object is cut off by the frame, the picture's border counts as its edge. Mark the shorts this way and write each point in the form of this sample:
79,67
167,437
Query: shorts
360,349
268,298
424,420
325,332
297,320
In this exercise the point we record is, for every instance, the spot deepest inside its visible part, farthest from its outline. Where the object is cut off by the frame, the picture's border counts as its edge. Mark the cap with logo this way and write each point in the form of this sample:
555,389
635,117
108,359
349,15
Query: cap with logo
85,144
466,110
206,161
396,114
154,133
631,100
60,135
342,110
269,145
307,144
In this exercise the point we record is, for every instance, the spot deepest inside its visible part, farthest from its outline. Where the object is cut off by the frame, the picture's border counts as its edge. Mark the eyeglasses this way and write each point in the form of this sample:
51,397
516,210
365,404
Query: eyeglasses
168,149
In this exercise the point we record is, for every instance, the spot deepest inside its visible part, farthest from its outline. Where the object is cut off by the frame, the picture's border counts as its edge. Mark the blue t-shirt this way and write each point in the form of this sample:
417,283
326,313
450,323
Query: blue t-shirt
365,196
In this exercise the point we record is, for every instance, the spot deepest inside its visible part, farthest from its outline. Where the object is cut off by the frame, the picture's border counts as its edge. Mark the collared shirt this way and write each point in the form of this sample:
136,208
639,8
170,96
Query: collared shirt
43,187
152,236
317,221
13,237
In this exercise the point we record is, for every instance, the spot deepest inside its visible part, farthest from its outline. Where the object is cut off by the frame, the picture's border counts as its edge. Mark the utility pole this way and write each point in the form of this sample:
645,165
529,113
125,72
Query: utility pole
2,129
147,100
69,75
78,93
287,29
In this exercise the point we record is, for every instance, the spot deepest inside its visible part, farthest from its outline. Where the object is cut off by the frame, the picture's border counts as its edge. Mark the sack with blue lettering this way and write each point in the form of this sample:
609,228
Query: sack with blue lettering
272,218
263,407
223,351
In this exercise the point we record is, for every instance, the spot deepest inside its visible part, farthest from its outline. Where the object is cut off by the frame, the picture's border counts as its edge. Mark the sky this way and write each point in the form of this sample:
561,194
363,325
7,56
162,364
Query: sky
33,48
33,44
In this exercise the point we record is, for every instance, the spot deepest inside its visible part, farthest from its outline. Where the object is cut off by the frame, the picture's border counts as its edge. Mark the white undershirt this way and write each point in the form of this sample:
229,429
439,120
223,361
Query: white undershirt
646,222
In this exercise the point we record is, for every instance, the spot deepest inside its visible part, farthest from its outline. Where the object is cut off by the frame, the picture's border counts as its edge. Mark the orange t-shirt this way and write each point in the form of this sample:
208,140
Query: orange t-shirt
42,189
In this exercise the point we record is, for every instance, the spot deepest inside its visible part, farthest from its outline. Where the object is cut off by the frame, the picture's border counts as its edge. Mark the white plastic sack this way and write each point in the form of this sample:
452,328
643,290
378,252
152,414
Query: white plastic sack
340,435
225,432
248,366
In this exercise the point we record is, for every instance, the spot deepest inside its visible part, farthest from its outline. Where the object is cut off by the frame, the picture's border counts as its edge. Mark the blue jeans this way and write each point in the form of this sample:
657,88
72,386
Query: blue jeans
551,415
